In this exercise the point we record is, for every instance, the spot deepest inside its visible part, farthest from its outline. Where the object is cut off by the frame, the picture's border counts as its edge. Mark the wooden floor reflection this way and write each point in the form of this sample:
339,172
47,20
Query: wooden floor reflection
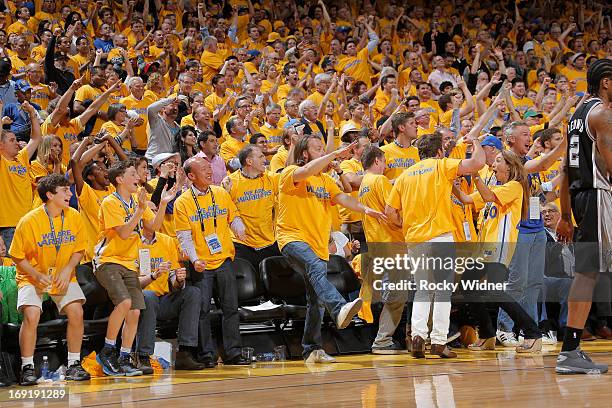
486,379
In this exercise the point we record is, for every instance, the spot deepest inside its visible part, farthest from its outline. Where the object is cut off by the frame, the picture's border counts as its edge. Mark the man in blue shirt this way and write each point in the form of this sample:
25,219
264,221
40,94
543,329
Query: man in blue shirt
21,125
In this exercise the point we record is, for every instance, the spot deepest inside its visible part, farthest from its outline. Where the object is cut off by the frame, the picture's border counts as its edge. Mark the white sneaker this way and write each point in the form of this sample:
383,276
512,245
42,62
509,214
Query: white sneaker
320,356
347,312
550,338
507,339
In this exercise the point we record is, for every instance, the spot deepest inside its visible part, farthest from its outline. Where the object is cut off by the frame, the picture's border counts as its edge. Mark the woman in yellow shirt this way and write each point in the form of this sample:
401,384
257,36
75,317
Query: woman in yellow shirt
502,207
48,161
121,126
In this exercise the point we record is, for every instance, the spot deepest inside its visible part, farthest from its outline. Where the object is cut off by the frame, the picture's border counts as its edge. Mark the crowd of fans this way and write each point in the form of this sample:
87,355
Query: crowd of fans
153,142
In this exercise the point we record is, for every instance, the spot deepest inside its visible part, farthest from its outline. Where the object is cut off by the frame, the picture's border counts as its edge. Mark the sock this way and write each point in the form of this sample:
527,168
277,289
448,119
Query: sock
108,343
125,351
73,358
571,339
27,360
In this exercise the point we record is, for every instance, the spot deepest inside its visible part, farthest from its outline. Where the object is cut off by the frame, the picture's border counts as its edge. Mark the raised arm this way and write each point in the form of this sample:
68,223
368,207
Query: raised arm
35,133
318,165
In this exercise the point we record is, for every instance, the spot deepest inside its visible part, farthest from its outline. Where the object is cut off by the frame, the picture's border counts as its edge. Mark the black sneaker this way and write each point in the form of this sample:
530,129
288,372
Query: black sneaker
76,373
107,358
28,376
127,367
144,364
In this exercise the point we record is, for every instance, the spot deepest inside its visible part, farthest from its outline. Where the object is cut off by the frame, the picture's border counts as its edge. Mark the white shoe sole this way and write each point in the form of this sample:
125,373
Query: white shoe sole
352,311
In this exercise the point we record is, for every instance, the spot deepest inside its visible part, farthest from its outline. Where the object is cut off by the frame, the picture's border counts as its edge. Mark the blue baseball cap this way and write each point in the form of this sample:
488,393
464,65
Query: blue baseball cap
22,85
492,141
291,122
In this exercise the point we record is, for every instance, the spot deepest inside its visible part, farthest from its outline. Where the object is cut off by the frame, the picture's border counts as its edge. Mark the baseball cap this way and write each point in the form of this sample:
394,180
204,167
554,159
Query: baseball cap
492,141
273,36
60,55
278,24
148,66
291,122
253,53
22,85
343,29
162,157
531,114
528,46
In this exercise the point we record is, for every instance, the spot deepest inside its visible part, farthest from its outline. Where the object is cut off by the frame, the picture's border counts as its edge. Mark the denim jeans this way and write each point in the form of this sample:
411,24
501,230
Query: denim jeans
557,291
320,293
223,281
7,234
526,276
184,304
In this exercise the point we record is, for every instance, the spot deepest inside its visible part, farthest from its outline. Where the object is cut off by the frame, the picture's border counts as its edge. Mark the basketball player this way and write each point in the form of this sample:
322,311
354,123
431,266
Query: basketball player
587,182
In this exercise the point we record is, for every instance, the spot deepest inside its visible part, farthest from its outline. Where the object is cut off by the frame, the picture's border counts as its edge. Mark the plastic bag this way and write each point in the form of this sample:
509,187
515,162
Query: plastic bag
156,365
91,365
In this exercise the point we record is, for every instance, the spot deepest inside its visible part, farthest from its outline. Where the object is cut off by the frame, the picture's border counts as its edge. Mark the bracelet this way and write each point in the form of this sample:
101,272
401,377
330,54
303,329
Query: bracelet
152,277
340,172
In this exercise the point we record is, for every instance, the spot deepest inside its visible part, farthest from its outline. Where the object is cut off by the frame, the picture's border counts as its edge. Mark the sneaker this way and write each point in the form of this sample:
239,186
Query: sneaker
127,367
144,364
507,339
347,312
549,337
576,362
76,372
393,348
107,358
320,356
28,376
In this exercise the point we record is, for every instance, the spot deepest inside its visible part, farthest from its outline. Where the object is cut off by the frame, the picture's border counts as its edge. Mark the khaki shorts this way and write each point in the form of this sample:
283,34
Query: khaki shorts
29,295
120,284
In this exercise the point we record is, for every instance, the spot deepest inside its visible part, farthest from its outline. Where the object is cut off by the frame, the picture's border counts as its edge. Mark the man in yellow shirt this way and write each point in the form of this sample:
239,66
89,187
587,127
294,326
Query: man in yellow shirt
229,149
91,92
351,173
167,297
122,219
254,191
218,102
205,216
401,154
21,59
306,197
521,102
15,181
576,71
211,60
356,63
138,101
271,130
374,192
48,245
419,201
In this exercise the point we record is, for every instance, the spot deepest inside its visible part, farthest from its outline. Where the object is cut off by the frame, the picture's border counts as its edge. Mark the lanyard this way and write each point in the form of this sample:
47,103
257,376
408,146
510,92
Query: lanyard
127,207
199,209
57,239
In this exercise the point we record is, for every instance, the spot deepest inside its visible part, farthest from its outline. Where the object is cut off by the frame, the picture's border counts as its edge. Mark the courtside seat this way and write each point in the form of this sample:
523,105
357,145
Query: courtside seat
341,275
251,291
284,284
54,329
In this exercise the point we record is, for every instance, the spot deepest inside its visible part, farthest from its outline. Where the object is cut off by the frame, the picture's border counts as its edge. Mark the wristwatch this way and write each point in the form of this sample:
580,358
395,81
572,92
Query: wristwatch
152,276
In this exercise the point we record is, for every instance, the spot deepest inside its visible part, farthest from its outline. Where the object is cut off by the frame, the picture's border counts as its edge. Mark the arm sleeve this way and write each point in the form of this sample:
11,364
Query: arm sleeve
373,42
156,196
186,242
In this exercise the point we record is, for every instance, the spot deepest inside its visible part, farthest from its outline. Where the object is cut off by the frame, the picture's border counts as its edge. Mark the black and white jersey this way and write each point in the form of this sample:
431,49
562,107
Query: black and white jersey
587,169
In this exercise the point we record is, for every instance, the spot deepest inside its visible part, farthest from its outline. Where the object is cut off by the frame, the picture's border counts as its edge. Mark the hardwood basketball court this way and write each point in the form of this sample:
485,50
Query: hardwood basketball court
497,378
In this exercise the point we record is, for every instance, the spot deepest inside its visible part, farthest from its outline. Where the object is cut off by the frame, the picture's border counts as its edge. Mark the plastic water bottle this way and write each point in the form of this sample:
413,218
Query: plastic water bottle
44,369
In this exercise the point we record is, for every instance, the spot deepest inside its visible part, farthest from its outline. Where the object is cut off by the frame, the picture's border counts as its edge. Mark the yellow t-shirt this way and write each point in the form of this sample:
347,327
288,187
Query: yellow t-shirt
214,102
41,95
68,134
211,65
351,166
16,188
274,135
578,76
140,107
38,171
304,210
111,248
19,65
421,194
89,92
35,242
90,201
255,199
279,159
399,159
523,104
114,129
498,224
373,193
186,219
357,67
164,249
230,148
